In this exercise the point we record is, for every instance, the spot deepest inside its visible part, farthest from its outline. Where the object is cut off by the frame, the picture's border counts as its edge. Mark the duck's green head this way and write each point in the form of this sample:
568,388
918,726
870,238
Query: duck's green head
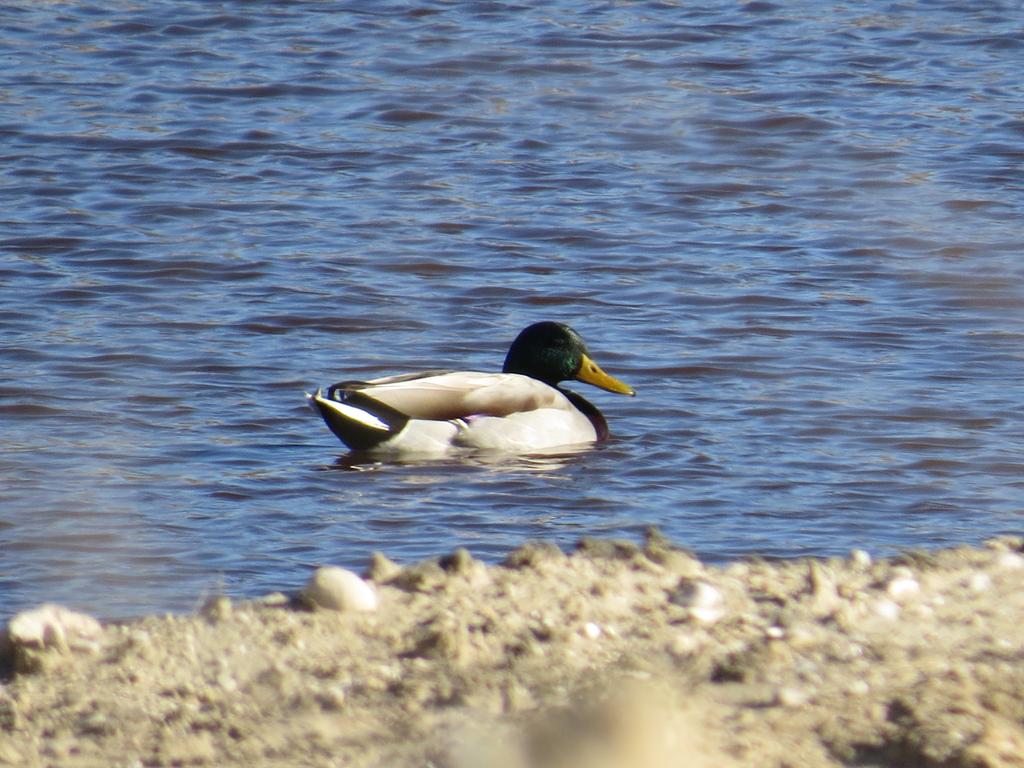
554,352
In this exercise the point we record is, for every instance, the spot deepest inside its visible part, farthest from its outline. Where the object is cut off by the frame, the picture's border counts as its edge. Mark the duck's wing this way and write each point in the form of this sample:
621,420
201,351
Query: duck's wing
445,396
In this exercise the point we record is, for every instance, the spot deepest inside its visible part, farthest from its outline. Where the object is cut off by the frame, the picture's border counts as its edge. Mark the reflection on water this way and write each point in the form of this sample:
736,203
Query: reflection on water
550,461
795,228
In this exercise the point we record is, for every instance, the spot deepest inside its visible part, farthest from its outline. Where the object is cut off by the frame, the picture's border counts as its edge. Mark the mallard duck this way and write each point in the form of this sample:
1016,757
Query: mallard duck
522,409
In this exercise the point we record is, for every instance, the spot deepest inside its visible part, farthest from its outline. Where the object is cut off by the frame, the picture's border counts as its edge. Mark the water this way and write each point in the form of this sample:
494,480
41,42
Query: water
795,229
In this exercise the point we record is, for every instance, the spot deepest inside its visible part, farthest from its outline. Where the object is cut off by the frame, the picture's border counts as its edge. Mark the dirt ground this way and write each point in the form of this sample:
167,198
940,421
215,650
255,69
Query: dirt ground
614,655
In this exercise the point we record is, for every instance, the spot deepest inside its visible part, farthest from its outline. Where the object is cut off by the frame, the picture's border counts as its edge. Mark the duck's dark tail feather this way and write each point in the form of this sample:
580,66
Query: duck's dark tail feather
359,421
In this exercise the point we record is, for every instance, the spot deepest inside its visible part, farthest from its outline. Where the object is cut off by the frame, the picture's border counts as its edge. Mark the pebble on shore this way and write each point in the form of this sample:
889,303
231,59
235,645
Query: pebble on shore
338,589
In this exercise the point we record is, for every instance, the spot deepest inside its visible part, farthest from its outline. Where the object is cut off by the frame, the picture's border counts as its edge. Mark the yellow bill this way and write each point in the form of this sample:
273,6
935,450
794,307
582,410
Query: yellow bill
591,373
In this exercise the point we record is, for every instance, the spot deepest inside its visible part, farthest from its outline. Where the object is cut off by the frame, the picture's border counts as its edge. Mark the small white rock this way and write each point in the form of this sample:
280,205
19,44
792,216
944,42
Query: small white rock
683,645
1011,561
903,587
788,696
705,602
338,589
860,558
887,609
592,630
979,582
54,626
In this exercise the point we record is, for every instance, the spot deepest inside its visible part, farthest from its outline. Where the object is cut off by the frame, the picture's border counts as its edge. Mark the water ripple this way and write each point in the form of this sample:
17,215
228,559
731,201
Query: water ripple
794,228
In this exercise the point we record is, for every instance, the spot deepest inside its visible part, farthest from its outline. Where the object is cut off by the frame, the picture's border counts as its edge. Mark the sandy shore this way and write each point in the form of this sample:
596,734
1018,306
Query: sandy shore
615,655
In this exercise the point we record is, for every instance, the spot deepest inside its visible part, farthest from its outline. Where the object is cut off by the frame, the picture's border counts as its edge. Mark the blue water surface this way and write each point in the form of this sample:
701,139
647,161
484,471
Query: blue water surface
794,228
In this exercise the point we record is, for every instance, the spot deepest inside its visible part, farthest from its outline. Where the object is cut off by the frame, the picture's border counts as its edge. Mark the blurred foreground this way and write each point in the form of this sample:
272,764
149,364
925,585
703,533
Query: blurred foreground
616,655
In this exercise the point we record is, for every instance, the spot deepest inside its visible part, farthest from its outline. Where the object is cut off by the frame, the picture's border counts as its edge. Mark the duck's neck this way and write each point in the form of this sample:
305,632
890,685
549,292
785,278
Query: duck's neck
589,410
